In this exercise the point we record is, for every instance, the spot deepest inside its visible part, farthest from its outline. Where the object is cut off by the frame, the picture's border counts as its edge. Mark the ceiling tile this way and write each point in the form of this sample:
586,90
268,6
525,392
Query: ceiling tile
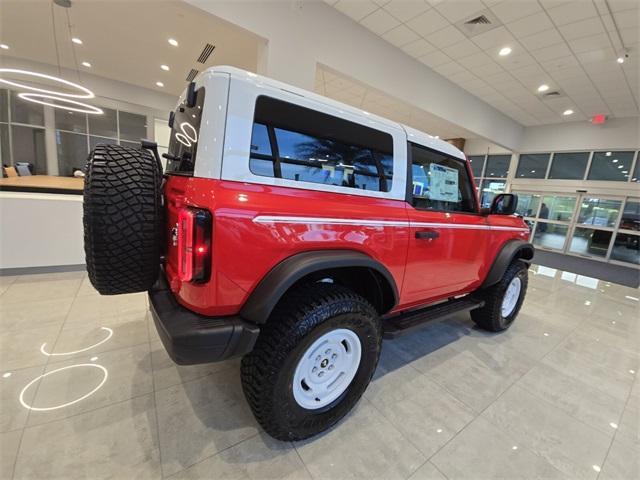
597,55
487,68
624,5
541,39
427,22
572,12
356,9
448,69
583,28
460,9
434,58
446,37
418,48
587,44
404,10
549,53
401,35
495,38
379,22
529,25
474,60
461,49
510,10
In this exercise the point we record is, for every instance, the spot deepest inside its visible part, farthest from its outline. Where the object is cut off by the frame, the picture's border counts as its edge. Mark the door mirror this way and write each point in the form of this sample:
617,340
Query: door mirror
504,204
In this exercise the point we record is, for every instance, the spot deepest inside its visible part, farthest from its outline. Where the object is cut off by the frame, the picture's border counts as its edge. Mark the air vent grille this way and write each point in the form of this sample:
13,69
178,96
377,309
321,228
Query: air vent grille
481,20
553,94
192,74
206,51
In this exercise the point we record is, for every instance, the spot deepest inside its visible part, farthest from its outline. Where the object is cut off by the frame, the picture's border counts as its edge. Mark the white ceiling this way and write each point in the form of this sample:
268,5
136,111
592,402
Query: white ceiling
344,89
124,40
571,46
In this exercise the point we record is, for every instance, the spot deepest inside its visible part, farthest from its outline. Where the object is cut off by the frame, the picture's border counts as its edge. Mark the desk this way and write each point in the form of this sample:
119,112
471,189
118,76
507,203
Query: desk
43,184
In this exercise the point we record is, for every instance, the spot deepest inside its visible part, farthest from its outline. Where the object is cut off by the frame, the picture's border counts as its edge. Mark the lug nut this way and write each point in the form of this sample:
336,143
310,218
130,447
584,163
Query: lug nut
334,356
330,367
314,369
321,374
327,351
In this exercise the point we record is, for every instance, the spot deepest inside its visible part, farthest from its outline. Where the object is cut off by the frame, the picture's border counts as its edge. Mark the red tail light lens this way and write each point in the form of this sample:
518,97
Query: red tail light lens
194,245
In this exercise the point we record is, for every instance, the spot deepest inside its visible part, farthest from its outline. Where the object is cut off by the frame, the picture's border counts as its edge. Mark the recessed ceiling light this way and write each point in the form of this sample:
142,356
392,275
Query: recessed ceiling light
620,166
165,67
620,59
160,84
86,64
543,88
76,40
615,160
504,51
568,112
173,42
608,154
4,46
625,171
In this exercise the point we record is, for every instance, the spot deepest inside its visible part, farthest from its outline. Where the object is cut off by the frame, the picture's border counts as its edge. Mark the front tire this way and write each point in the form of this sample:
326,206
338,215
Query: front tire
503,300
312,361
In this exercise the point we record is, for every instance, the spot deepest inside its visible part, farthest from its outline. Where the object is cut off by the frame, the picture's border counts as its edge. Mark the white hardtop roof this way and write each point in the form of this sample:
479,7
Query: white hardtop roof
413,135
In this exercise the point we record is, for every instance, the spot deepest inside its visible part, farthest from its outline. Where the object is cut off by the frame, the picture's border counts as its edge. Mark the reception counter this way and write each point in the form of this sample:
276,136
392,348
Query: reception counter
43,184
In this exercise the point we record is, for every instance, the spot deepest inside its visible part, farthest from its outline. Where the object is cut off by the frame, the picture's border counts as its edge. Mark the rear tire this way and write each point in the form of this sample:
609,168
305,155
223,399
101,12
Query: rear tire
500,306
122,219
306,316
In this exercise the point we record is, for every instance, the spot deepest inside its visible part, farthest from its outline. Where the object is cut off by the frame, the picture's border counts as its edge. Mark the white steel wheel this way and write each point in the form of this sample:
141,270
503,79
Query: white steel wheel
326,368
511,297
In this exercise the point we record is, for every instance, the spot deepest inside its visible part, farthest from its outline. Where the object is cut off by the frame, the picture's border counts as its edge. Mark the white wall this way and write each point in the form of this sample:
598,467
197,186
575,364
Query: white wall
40,230
616,133
302,34
480,146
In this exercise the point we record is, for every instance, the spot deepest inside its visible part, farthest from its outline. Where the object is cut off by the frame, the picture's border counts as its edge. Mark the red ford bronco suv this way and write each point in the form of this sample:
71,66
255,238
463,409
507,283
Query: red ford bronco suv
297,232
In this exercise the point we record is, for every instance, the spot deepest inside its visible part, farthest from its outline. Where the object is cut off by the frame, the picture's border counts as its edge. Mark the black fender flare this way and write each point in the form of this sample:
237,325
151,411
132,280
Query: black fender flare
510,251
280,278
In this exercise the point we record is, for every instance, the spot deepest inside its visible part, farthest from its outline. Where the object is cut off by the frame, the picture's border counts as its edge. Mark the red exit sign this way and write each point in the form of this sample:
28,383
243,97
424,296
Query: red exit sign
599,119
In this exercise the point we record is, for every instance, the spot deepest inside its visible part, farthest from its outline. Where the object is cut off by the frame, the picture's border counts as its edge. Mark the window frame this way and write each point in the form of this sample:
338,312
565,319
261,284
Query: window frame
467,169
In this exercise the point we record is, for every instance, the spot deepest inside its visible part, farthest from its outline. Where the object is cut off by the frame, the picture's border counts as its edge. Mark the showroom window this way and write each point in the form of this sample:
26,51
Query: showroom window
490,174
304,145
440,182
533,165
569,166
613,166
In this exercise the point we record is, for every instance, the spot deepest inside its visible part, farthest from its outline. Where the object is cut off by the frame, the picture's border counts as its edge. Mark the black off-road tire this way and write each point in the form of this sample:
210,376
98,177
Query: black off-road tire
489,317
267,372
122,219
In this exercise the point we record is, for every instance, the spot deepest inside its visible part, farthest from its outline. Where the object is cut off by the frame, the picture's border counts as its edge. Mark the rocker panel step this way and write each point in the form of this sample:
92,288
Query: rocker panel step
410,321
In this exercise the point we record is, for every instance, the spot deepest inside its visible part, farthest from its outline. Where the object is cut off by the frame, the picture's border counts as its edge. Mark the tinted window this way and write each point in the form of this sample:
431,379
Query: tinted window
300,144
569,166
28,146
440,182
132,126
613,166
631,215
477,162
71,121
183,143
497,166
23,111
533,165
105,125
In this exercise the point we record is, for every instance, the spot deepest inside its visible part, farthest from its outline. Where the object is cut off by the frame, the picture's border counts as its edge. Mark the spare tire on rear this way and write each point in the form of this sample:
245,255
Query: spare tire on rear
122,219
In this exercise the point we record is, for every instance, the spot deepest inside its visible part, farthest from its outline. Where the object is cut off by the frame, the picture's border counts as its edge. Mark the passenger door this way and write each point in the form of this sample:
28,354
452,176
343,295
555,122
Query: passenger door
447,234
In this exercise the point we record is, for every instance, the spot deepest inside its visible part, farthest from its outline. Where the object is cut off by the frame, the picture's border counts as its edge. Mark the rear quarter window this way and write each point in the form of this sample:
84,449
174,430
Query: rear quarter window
185,132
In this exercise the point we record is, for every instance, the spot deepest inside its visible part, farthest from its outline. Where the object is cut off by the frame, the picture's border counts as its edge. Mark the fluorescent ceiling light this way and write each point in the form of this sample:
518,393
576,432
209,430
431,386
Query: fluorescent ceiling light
504,51
86,64
76,40
77,106
173,41
4,46
543,88
165,67
160,84
86,93
568,112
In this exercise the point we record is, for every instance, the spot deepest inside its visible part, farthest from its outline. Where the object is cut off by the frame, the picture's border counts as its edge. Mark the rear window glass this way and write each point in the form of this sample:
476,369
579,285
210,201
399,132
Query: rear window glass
183,143
304,145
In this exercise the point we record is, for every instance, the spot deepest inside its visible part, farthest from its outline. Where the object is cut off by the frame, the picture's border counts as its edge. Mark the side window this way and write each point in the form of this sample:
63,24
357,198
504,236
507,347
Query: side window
303,145
440,182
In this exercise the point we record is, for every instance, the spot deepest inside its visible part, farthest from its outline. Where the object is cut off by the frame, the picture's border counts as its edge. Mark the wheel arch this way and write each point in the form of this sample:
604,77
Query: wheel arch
350,268
510,251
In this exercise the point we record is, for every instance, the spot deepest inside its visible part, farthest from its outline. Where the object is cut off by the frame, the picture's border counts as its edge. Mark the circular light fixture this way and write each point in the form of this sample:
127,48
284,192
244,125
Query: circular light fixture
504,51
86,92
620,60
160,84
4,46
86,64
67,104
568,112
76,40
173,41
165,67
607,154
543,88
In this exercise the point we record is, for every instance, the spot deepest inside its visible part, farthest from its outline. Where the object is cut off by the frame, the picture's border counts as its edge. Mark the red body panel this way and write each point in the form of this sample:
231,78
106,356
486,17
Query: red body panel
245,250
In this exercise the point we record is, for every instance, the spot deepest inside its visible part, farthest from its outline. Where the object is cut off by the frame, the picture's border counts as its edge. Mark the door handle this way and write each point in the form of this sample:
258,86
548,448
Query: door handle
427,235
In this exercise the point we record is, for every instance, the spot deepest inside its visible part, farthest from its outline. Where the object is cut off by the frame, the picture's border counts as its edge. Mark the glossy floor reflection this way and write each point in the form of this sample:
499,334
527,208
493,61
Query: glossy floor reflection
556,396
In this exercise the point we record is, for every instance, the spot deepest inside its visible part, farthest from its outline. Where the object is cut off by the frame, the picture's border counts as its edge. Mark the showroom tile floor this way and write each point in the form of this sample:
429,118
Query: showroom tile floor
88,392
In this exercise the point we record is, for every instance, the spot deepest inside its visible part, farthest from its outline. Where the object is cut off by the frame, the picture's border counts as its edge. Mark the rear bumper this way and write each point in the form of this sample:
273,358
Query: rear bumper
190,338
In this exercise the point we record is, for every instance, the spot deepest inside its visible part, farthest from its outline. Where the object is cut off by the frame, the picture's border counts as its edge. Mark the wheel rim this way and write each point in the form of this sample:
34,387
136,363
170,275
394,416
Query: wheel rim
326,368
511,297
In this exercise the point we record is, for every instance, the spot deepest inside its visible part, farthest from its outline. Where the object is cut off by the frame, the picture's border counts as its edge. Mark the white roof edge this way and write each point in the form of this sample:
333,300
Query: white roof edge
413,134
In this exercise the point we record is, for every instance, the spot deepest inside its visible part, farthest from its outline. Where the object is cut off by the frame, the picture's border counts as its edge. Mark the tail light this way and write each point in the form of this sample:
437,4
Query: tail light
194,245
